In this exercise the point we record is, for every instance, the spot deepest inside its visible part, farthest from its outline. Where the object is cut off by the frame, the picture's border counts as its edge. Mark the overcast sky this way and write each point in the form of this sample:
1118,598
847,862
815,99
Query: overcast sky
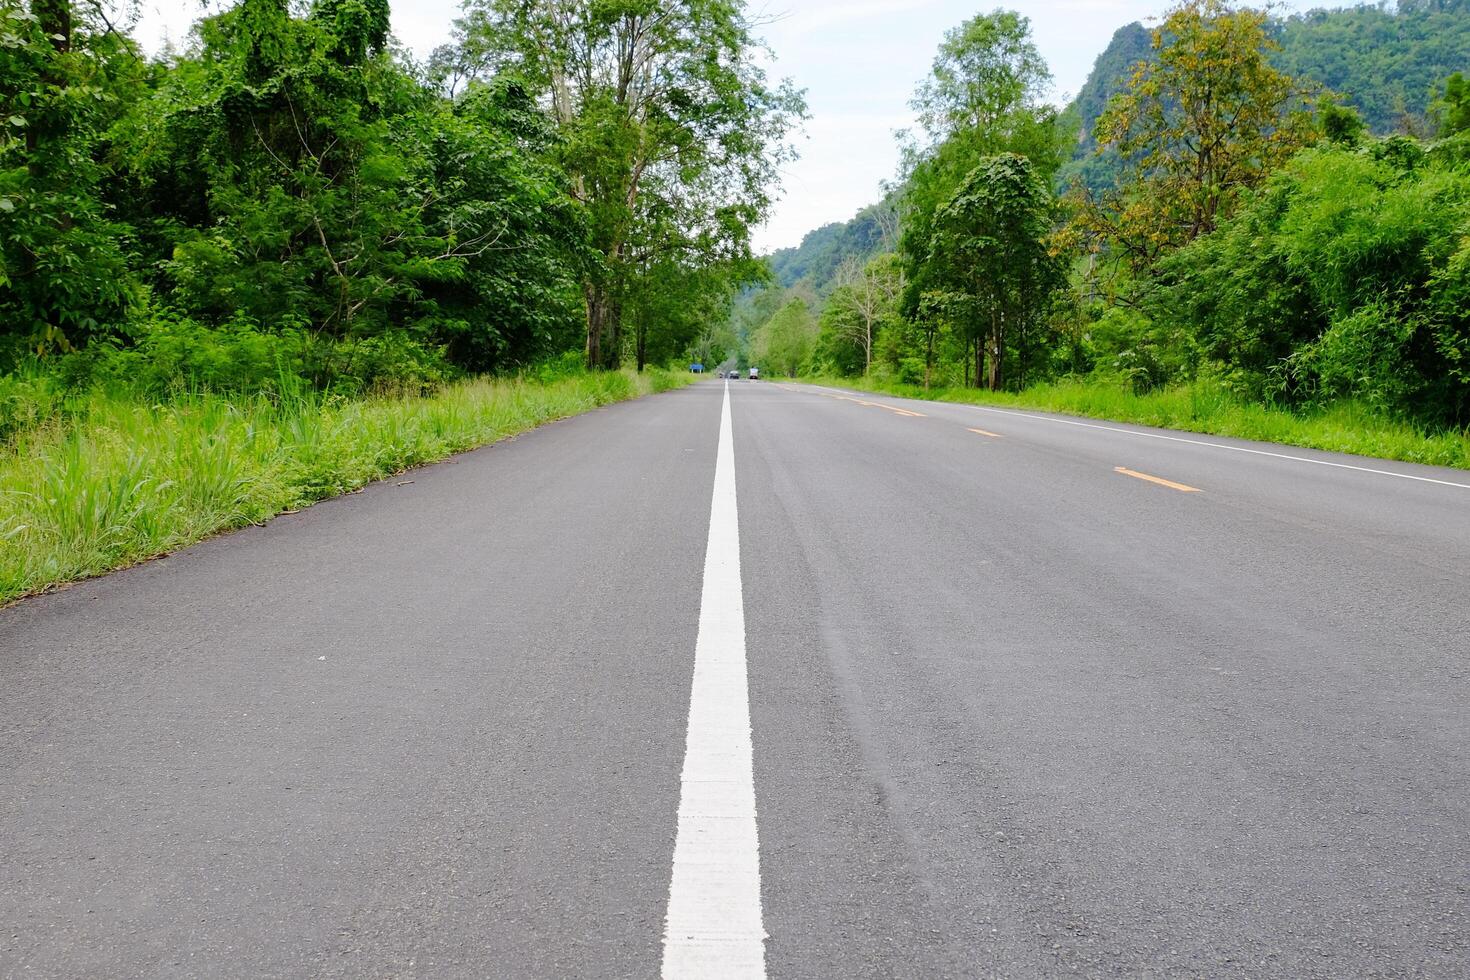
858,60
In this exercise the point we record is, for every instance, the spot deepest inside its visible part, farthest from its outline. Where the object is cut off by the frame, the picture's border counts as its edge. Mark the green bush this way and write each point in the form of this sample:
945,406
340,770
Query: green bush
168,352
29,397
1129,347
1345,278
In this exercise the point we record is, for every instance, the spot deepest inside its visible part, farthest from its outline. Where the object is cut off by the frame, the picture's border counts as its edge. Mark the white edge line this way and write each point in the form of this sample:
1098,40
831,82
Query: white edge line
1197,442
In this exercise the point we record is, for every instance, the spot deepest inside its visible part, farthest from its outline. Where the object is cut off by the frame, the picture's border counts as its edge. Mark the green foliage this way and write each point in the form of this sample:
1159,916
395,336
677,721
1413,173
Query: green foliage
291,175
1345,277
173,353
63,256
1385,62
118,480
307,181
1452,109
1339,123
786,342
988,269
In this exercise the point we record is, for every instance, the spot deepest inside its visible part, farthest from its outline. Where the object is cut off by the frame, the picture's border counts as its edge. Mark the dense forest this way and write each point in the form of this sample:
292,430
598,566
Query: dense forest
1278,209
1384,62
289,195
286,259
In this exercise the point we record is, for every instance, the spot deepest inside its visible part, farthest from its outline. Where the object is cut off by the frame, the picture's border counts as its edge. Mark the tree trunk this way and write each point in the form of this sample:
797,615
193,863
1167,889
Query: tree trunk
604,328
641,336
966,359
979,362
612,346
997,357
596,323
1021,363
928,357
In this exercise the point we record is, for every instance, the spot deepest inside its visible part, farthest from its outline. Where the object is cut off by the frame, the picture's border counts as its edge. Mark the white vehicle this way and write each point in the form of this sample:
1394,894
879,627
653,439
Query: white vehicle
755,374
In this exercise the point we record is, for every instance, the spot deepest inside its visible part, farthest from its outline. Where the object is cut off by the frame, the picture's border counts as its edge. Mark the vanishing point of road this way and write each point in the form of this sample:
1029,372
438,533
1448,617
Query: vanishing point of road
766,680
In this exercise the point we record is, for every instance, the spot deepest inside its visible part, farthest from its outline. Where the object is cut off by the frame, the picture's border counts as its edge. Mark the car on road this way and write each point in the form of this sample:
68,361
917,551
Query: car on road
755,374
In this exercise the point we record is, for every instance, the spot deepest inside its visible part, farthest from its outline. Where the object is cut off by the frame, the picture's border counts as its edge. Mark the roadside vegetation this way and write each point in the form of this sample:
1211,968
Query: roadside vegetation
284,258
1222,244
111,479
1208,407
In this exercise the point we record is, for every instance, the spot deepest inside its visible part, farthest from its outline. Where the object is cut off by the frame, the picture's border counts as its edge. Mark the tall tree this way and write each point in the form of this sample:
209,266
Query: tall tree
786,341
866,298
990,251
672,135
985,95
1202,121
1452,108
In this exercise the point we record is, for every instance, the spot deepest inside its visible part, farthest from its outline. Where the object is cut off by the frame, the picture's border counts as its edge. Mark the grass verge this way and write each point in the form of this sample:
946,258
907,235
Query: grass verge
117,481
1347,427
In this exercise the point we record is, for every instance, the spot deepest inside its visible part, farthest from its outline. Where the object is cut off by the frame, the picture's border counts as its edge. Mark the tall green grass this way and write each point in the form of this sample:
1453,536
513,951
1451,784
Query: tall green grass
113,480
1345,427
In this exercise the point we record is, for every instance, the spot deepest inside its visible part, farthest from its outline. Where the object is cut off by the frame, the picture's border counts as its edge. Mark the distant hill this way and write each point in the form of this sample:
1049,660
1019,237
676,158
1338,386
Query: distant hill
815,261
1131,44
1385,62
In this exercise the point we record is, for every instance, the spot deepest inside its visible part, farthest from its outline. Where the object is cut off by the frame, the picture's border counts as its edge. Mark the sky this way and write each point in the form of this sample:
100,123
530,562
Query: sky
858,60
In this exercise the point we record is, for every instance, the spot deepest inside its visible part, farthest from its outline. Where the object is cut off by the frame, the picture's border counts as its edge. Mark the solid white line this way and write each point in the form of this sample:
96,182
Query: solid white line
714,926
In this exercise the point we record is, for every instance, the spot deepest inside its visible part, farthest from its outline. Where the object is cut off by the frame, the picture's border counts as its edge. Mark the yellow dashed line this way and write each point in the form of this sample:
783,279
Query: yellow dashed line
887,408
992,435
1155,479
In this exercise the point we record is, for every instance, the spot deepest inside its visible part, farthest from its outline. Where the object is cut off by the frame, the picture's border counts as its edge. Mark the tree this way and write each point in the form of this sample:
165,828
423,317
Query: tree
990,250
985,83
865,299
1452,109
985,95
65,78
292,175
672,137
786,341
1346,276
1204,120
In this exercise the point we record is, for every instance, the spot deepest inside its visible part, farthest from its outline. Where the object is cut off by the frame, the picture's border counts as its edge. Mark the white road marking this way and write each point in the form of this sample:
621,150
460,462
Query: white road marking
1203,442
1219,445
714,927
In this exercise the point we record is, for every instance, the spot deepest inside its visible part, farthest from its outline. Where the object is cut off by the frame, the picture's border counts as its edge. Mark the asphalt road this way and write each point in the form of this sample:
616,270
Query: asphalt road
1017,709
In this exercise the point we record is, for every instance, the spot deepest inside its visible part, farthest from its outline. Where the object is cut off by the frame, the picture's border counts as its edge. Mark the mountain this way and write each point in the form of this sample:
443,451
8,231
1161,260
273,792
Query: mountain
816,260
1384,61
1131,44
1388,64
